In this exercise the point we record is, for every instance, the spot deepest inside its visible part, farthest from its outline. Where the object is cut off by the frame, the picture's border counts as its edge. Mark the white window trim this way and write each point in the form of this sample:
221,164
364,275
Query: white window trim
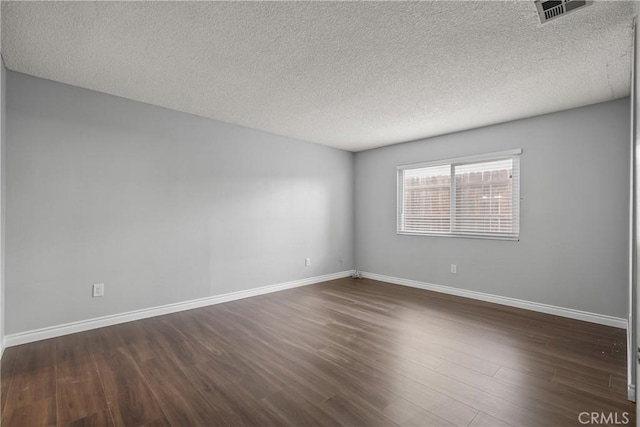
458,161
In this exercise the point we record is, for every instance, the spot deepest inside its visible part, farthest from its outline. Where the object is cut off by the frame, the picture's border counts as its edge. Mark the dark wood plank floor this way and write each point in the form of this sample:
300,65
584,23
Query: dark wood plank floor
346,352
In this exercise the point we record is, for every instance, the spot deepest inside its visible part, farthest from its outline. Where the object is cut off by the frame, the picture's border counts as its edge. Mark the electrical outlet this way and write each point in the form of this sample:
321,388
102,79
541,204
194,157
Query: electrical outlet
454,269
340,260
307,262
98,290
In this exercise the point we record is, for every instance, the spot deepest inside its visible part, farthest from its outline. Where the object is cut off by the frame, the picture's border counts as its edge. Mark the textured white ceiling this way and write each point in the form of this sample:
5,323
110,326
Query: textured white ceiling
345,74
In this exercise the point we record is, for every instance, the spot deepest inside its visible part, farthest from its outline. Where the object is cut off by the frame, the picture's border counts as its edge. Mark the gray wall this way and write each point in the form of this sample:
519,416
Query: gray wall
3,181
160,206
165,207
573,248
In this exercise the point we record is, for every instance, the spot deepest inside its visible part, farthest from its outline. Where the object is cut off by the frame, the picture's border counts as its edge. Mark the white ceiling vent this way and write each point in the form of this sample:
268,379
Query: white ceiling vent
551,9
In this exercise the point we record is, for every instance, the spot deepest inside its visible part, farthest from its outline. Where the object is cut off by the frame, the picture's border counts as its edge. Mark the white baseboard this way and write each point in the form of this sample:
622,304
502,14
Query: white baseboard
601,319
631,392
100,322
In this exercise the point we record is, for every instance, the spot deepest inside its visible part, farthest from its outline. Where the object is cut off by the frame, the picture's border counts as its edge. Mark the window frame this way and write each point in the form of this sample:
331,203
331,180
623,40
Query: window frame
458,161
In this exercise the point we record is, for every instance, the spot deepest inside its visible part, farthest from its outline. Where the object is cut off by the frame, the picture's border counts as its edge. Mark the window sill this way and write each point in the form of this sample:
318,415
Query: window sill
460,235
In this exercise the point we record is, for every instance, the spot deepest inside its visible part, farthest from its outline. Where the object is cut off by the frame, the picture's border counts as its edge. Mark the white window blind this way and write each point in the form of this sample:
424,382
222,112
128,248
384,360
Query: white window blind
427,199
473,196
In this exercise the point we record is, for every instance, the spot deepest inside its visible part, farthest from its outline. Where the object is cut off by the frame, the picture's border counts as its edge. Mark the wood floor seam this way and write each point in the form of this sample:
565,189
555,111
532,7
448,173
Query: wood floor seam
103,390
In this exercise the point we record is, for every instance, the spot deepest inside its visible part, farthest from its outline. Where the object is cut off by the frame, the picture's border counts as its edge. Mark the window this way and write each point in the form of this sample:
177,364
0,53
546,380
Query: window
475,196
